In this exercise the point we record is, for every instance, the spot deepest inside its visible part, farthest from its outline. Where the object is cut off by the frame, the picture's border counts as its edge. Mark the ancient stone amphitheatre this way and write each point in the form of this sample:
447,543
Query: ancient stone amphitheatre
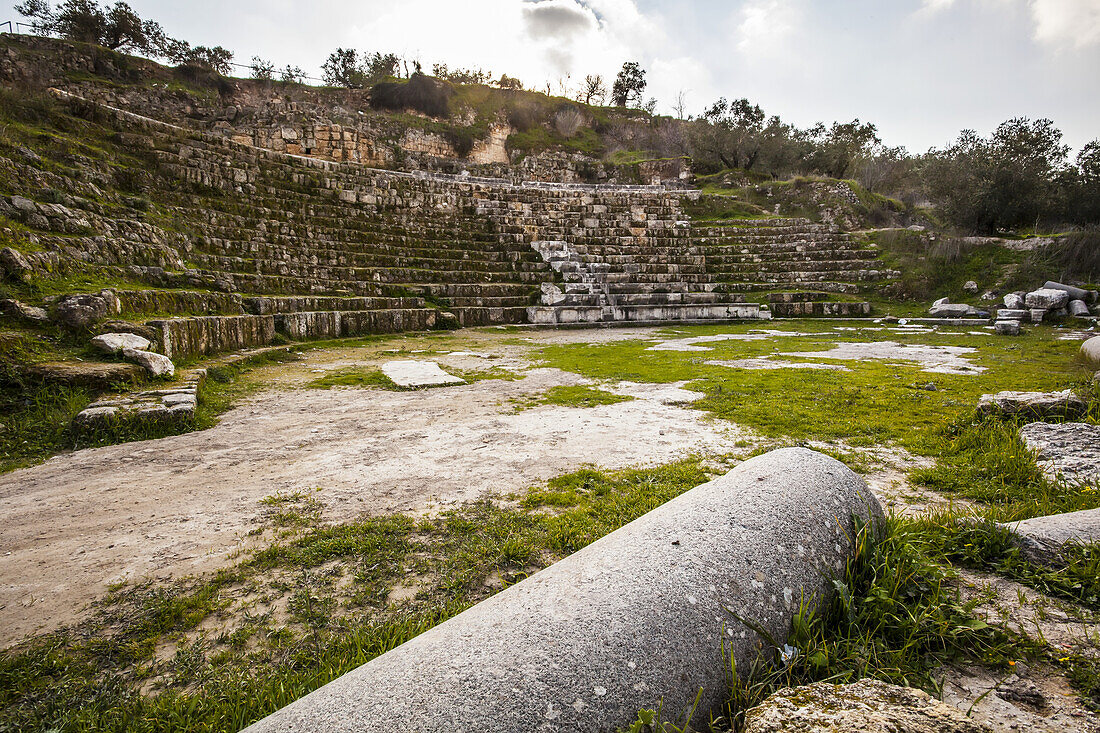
515,432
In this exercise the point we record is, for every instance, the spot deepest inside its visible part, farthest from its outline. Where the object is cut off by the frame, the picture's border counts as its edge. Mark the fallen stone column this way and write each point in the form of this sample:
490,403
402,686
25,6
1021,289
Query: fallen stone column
1090,351
639,616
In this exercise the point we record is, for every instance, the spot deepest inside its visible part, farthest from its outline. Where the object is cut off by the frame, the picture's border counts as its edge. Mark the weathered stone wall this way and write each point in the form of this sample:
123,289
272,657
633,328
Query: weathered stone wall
184,338
179,302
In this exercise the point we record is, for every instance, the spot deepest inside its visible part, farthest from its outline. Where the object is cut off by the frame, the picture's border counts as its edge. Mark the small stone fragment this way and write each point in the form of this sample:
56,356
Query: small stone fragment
156,364
970,286
21,311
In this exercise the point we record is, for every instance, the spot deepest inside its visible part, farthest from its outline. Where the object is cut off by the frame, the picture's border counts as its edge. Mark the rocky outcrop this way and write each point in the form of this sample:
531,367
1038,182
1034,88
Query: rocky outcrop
867,706
1032,404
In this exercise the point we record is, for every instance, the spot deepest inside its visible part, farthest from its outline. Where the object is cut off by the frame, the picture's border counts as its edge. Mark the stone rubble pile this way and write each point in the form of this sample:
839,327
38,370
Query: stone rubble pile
1053,300
173,404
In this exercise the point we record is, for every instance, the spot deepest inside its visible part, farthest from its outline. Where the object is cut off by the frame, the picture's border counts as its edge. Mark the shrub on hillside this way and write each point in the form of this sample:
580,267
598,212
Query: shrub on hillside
1076,256
568,120
421,93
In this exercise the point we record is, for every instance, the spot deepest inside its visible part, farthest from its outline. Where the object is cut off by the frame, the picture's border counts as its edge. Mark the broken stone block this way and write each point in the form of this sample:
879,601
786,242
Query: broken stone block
23,312
970,286
1033,404
114,343
156,364
943,309
81,311
1013,314
1046,298
15,264
1007,328
1014,301
1079,308
1037,314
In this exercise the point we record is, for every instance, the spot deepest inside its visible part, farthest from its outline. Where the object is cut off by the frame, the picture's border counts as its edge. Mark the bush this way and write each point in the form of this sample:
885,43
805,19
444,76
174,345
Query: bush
567,121
1075,256
421,93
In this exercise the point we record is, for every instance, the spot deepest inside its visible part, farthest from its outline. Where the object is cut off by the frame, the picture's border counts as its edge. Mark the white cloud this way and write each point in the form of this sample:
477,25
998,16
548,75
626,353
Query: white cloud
765,27
1062,22
1056,23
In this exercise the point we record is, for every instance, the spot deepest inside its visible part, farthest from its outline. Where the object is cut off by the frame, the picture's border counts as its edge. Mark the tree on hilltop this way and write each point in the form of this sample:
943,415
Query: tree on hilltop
594,90
629,85
118,27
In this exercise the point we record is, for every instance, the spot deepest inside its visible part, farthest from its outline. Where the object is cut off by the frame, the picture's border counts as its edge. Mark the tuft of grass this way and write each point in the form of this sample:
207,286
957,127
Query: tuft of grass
573,396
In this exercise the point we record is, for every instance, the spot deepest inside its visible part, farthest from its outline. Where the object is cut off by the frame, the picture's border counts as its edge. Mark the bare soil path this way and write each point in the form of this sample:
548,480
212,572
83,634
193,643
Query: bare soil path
82,521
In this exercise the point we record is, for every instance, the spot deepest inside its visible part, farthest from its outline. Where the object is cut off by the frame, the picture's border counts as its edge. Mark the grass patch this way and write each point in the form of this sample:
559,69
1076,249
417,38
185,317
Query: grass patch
572,396
366,378
877,402
218,652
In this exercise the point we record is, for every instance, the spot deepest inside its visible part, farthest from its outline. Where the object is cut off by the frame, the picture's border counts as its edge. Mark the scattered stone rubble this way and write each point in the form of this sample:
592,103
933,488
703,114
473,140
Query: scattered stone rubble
173,404
1053,300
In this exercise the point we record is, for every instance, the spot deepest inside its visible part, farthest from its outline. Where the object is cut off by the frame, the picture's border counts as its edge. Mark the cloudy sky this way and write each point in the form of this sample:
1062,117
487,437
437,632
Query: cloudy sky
921,70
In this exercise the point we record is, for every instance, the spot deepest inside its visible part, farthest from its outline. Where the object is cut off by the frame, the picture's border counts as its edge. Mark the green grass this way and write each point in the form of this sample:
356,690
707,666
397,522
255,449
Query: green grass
367,377
87,678
572,396
874,403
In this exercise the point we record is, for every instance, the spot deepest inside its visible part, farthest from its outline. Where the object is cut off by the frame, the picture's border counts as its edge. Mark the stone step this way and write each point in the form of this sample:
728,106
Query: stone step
555,315
805,309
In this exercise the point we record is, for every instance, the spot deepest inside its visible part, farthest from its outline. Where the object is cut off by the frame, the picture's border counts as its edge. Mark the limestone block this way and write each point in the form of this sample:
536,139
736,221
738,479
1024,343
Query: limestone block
867,706
1090,350
1046,298
1014,301
1066,451
1043,539
1013,314
1035,404
156,364
573,647
1007,328
114,343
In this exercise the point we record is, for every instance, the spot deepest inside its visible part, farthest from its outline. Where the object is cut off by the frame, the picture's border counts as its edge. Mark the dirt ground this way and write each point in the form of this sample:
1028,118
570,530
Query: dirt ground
85,520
